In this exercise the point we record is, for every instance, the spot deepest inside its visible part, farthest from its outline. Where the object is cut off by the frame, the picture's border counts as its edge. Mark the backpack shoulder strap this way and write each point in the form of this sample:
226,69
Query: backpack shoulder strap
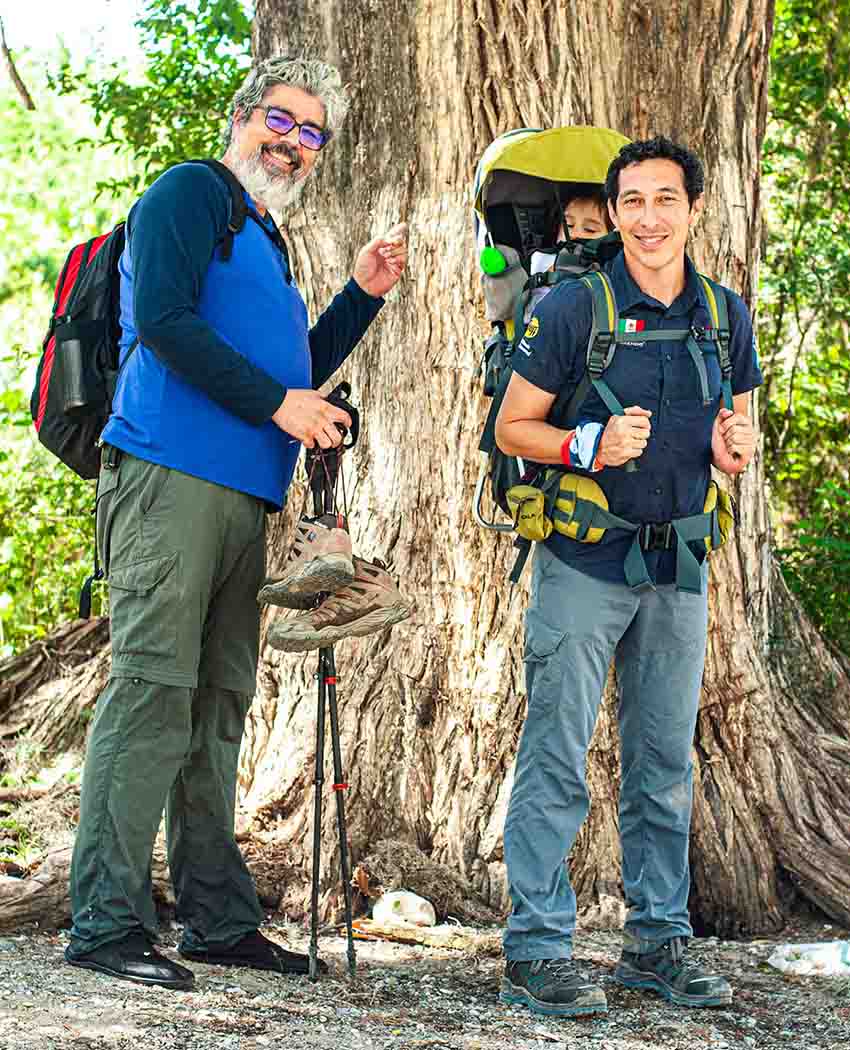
718,307
602,344
238,207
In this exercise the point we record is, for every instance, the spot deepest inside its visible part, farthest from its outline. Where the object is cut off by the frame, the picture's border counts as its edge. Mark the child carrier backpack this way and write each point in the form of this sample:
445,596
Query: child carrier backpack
521,184
79,365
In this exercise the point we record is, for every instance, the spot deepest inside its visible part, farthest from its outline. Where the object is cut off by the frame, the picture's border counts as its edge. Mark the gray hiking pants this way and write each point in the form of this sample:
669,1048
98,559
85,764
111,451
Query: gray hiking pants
184,559
575,625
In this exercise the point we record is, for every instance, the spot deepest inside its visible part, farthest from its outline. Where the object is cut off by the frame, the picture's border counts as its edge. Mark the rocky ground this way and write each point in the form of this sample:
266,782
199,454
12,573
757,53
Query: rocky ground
408,998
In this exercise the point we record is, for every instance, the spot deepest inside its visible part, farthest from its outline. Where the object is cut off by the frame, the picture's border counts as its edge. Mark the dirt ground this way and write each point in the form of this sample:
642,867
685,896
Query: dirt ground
409,998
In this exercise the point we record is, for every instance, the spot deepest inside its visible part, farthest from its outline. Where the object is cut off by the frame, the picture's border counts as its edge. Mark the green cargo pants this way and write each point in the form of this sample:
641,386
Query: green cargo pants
184,559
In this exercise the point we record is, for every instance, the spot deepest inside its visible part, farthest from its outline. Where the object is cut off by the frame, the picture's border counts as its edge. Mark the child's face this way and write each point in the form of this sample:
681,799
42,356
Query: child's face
583,219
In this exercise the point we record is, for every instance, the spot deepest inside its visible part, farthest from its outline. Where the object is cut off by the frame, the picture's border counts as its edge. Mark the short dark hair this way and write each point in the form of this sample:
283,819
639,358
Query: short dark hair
659,148
589,191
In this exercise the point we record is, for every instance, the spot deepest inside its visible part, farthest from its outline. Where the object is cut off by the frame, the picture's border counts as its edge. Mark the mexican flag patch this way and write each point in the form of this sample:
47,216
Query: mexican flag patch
628,324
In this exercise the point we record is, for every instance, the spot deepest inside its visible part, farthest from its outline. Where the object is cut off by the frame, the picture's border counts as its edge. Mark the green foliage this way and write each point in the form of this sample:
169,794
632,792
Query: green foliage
805,297
47,204
817,565
69,170
46,533
197,54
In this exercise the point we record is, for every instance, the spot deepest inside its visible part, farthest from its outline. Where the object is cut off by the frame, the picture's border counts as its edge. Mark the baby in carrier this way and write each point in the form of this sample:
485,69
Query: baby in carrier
585,218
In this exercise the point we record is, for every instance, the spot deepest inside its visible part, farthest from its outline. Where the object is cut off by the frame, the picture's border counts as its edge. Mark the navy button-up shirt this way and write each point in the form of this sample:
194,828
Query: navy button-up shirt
673,473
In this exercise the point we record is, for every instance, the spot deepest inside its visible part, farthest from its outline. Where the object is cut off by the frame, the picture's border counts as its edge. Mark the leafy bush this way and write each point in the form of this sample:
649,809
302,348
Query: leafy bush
46,533
816,564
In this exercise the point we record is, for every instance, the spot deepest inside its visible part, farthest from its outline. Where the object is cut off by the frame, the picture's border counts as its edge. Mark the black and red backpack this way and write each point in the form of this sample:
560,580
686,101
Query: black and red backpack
79,365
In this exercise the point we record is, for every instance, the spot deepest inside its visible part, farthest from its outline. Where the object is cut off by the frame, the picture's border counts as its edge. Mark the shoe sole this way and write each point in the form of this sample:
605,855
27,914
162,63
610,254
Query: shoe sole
651,982
590,1003
296,968
281,636
326,574
179,986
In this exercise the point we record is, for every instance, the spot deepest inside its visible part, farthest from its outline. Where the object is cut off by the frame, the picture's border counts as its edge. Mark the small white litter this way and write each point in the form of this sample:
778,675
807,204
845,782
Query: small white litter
829,959
404,906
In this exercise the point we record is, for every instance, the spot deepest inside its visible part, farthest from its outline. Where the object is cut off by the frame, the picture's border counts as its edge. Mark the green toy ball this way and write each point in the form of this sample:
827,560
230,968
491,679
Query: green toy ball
492,261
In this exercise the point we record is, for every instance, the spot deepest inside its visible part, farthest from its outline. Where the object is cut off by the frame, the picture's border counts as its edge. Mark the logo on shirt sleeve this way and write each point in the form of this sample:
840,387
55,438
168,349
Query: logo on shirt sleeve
533,328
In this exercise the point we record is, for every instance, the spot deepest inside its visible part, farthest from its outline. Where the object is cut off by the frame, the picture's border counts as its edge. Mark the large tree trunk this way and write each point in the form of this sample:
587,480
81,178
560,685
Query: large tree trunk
431,712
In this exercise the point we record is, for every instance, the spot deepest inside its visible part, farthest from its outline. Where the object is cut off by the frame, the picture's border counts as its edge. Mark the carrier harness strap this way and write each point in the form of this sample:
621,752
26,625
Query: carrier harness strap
719,310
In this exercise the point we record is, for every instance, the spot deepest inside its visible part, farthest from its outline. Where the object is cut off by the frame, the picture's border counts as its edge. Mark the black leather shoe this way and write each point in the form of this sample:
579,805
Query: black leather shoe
255,951
134,958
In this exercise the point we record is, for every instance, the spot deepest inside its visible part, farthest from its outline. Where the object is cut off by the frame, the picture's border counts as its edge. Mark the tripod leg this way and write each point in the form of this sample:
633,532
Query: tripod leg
317,822
339,788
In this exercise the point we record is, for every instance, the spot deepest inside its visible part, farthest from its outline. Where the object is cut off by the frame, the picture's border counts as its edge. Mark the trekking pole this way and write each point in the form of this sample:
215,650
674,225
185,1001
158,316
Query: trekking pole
322,471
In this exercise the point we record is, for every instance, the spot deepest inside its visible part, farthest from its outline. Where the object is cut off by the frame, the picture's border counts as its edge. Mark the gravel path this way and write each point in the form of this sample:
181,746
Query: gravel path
407,998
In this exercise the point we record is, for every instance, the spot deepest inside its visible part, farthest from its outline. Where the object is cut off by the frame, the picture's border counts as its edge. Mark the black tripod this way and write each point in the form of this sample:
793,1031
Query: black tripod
322,474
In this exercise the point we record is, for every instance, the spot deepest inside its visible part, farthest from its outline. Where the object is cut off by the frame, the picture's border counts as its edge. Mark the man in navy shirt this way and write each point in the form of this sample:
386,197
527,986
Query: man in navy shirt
583,613
216,397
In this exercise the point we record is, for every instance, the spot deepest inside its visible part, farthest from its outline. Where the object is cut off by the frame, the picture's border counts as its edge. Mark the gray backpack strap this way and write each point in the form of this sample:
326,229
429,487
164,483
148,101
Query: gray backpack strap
718,307
601,348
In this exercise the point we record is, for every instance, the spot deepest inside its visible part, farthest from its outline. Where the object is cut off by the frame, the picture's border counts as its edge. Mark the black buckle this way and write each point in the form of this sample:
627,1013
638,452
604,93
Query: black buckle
599,356
656,537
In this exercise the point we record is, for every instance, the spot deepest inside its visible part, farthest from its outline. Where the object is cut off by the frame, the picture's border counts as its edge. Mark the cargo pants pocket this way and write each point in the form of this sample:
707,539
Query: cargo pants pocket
144,595
543,673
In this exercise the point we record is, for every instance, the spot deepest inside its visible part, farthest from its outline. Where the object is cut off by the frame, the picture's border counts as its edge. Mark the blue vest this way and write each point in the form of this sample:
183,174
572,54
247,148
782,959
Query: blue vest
159,417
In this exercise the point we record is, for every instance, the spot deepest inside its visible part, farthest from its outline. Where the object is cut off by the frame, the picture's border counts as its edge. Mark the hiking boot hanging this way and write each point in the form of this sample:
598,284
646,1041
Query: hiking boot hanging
319,563
368,604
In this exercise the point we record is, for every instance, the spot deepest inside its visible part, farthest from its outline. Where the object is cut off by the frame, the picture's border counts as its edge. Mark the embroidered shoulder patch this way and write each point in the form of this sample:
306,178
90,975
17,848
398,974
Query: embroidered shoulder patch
533,328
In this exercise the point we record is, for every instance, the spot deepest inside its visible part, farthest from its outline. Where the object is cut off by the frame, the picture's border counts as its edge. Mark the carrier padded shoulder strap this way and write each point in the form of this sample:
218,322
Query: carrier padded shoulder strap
718,307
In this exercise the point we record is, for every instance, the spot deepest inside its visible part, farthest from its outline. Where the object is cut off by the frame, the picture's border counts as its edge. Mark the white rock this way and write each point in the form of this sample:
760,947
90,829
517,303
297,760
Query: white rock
404,906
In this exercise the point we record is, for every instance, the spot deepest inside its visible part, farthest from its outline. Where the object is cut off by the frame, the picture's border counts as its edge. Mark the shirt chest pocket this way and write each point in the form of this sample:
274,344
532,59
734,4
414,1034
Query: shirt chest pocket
692,377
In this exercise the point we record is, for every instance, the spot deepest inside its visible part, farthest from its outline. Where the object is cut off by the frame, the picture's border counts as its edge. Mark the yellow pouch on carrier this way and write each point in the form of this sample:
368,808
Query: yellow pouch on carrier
719,500
527,505
574,487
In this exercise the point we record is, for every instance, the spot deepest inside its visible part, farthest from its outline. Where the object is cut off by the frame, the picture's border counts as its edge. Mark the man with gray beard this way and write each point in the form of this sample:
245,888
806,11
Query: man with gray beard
216,395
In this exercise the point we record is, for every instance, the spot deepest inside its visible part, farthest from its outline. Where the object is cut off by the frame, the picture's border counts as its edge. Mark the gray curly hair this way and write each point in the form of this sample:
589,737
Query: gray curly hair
310,74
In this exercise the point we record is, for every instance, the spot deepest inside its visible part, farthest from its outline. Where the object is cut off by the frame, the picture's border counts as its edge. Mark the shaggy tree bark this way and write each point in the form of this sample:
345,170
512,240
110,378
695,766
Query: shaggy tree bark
432,711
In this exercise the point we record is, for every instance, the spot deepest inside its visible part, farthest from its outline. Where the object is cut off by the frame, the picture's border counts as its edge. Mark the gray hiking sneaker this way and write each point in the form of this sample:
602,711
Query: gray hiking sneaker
551,986
665,971
369,603
319,563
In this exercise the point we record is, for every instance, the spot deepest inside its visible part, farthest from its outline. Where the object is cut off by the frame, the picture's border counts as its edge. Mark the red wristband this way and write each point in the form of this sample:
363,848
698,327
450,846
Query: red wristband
565,448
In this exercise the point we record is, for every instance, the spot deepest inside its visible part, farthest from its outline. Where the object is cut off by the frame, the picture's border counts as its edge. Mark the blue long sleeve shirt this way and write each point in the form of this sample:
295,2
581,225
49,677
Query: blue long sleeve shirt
220,342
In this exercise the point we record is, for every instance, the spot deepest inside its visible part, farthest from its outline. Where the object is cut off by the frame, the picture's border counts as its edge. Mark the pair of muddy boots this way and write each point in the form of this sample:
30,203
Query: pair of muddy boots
361,596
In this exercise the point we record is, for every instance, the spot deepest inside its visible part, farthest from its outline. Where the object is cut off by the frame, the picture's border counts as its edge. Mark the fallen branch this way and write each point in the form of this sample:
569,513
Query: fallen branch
461,938
14,76
22,794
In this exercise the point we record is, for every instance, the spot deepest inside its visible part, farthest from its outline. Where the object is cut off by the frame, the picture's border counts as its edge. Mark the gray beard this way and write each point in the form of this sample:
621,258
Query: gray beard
275,192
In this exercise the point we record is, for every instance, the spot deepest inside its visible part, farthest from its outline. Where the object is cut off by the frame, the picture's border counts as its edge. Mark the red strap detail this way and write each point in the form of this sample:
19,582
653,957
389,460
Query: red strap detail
340,787
98,243
61,298
565,448
331,680
44,382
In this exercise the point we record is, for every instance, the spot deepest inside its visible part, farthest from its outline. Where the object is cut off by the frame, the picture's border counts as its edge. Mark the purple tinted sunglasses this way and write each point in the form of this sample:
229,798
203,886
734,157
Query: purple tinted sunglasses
282,122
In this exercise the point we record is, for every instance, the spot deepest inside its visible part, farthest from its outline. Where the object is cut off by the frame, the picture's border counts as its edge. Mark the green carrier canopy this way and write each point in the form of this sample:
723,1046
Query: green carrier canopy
522,183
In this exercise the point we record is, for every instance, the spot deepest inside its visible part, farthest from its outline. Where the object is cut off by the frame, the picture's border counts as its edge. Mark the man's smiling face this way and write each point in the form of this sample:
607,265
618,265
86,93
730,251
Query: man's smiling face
272,166
653,213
